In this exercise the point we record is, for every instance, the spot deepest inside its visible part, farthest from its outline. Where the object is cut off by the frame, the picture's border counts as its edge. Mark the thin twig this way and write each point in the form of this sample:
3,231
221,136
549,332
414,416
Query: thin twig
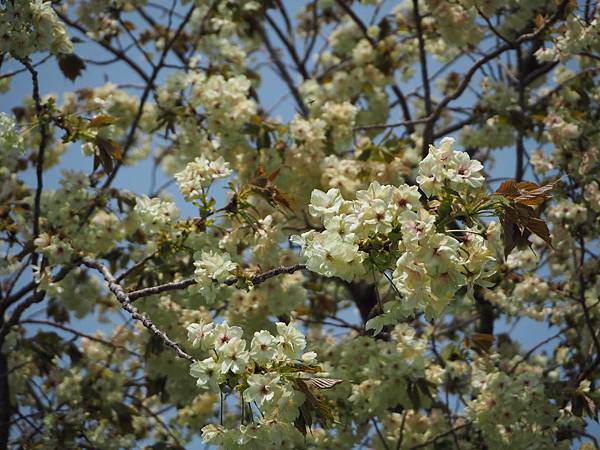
534,348
183,284
136,266
381,437
440,436
428,132
39,170
283,72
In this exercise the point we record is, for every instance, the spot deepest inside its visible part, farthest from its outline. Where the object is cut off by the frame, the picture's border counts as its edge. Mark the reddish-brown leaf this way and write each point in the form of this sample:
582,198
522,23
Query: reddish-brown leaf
262,184
322,383
260,171
513,237
538,227
519,221
525,192
127,24
108,151
273,174
109,147
101,121
508,189
71,65
535,196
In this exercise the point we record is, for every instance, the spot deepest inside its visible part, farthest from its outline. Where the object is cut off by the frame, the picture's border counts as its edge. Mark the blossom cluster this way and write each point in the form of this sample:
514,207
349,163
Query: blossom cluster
223,40
61,235
261,373
225,100
28,26
445,167
311,132
11,141
211,269
341,118
387,224
578,36
199,174
512,411
155,215
380,369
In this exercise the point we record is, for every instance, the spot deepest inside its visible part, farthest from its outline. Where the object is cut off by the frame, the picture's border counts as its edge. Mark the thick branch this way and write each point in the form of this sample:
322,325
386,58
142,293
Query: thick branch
125,299
486,314
520,170
290,48
34,298
125,302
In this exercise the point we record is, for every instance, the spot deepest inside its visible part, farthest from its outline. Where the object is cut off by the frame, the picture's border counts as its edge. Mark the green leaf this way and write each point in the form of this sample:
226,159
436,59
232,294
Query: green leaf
376,324
300,367
481,342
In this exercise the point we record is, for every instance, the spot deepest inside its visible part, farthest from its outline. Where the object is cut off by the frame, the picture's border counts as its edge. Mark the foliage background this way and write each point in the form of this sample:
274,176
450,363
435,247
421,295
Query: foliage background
137,178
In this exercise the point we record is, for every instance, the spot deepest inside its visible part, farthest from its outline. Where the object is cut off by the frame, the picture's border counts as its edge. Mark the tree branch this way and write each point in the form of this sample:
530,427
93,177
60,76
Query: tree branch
183,284
439,436
125,302
283,72
39,170
428,132
5,405
146,93
117,53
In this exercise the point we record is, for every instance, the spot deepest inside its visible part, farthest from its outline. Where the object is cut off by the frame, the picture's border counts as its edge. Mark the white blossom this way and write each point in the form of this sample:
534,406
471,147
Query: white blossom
261,388
206,372
263,347
291,341
233,356
199,174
